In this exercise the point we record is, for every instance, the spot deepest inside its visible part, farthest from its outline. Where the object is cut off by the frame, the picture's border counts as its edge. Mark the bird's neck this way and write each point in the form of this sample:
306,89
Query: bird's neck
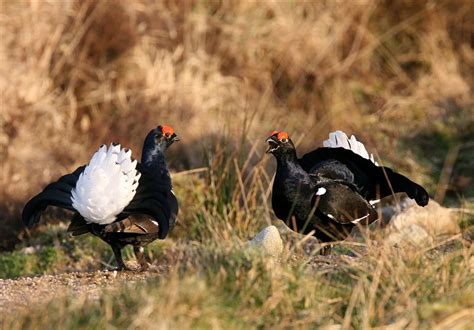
288,157
288,162
290,173
292,189
153,159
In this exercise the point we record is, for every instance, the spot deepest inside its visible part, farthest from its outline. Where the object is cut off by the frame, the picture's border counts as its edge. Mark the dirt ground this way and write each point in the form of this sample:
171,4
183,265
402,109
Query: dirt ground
25,292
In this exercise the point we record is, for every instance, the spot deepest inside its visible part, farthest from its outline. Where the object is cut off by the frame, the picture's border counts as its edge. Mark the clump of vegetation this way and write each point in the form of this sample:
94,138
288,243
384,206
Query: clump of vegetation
21,263
225,287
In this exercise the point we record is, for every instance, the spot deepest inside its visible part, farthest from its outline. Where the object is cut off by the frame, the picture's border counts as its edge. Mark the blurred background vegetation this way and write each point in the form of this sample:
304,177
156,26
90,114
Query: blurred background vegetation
398,74
76,74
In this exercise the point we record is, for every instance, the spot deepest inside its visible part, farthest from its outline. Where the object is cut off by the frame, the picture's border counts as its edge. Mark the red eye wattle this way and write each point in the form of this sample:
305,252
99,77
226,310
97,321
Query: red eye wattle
167,130
283,137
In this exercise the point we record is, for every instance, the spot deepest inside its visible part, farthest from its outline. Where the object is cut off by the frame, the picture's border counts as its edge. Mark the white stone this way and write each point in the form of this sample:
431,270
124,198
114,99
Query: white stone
268,242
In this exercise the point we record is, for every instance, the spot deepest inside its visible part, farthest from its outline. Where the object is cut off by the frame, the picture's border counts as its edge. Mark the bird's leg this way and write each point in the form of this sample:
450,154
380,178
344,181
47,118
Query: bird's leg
118,257
139,254
326,250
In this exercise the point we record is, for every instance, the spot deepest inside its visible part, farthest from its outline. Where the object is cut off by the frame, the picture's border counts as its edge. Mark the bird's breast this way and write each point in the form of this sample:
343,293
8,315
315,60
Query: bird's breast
290,197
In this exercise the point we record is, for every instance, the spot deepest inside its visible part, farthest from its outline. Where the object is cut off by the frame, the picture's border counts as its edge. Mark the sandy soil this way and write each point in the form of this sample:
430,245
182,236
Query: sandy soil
25,292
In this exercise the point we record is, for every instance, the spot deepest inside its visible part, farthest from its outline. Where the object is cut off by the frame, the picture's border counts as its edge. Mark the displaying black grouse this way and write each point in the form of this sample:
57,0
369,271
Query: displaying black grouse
332,189
115,198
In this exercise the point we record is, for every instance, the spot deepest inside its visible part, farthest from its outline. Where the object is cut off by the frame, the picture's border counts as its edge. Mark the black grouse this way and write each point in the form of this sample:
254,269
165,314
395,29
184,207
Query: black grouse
115,198
332,189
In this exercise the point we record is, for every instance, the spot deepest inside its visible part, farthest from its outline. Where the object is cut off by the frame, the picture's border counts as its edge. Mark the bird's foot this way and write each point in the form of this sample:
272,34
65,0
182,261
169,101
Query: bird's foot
147,267
141,260
133,267
153,268
123,268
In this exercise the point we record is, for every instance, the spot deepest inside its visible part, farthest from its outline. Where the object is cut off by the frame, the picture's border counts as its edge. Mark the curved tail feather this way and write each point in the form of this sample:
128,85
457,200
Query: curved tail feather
54,194
389,181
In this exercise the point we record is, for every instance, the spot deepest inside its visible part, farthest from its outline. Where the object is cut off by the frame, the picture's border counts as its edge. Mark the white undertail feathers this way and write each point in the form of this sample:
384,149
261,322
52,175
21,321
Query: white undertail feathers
106,186
339,139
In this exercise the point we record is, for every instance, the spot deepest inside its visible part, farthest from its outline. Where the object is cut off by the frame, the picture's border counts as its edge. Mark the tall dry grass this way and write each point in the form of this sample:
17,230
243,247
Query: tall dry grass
223,287
76,74
212,281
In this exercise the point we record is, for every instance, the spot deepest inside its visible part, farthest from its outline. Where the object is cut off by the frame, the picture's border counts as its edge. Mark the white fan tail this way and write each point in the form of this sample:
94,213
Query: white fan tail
106,186
339,139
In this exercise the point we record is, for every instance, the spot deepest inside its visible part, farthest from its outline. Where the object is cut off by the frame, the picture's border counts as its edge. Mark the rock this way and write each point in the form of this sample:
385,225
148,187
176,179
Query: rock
268,242
412,225
411,235
300,244
433,218
30,250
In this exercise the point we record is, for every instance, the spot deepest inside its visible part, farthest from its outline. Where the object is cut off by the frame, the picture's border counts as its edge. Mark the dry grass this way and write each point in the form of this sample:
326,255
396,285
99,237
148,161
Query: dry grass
92,71
74,75
213,282
220,286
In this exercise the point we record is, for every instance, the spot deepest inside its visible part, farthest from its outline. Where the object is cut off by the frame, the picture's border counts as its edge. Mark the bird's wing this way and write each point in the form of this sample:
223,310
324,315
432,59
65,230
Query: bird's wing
152,199
140,225
331,170
56,194
341,203
373,181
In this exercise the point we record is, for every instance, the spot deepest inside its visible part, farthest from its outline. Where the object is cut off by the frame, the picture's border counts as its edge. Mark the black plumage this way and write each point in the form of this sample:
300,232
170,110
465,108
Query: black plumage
329,190
150,215
373,182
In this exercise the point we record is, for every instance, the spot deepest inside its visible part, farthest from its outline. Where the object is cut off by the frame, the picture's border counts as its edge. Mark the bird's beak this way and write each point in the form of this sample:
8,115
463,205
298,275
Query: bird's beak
272,145
176,138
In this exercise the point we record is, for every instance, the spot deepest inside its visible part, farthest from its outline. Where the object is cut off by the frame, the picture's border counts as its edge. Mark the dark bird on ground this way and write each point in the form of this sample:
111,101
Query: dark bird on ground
115,198
332,189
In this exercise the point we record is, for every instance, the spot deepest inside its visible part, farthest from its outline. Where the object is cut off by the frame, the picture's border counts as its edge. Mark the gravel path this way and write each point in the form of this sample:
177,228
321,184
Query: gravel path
25,292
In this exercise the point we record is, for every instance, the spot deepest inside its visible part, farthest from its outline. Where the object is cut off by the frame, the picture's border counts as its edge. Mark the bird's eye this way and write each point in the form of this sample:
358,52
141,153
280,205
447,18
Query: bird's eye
284,140
167,135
